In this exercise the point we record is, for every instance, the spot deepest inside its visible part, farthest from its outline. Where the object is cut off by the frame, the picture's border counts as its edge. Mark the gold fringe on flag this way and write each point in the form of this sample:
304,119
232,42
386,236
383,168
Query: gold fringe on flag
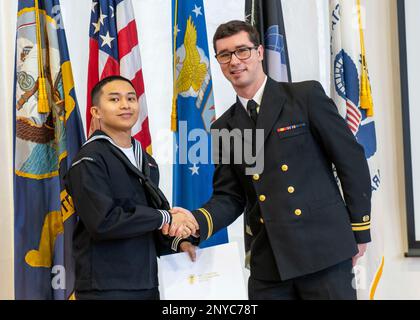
174,117
43,102
366,101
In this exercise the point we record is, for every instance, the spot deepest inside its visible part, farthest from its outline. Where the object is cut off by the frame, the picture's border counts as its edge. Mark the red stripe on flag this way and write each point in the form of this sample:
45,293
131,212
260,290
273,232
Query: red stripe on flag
354,112
144,135
350,103
127,39
138,83
352,125
112,68
352,122
355,119
353,130
93,77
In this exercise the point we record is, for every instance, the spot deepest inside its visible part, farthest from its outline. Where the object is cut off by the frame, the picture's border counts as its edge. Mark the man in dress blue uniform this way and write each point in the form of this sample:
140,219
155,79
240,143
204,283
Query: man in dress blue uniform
114,187
302,234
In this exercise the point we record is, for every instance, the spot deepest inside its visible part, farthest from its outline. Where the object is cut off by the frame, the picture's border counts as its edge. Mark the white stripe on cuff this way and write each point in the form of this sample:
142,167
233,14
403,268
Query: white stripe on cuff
166,217
175,243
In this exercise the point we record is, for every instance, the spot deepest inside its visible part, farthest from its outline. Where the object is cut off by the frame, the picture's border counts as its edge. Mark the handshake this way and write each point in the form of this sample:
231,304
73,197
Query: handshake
183,224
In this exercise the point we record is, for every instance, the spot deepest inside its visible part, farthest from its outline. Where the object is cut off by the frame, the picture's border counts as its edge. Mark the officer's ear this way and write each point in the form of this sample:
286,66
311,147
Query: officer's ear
260,52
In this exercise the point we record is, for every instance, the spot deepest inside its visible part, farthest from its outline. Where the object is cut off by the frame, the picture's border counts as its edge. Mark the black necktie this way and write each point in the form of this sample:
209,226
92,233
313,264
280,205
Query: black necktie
251,107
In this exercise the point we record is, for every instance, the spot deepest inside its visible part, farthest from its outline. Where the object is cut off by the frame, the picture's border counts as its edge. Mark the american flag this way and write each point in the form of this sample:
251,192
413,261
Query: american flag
114,50
353,116
345,89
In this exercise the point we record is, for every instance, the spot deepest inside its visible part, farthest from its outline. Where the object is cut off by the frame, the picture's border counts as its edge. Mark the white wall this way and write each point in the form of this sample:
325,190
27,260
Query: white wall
308,60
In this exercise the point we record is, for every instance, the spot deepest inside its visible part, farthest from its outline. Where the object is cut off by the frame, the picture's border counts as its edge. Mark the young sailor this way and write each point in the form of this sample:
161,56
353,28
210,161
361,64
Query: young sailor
113,184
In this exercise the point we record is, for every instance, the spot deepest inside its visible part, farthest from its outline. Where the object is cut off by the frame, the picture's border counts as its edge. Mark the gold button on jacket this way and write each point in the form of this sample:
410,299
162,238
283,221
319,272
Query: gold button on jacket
262,198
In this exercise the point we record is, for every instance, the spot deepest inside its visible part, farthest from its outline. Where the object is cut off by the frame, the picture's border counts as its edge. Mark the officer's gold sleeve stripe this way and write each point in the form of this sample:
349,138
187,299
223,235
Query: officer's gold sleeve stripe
209,221
361,228
360,224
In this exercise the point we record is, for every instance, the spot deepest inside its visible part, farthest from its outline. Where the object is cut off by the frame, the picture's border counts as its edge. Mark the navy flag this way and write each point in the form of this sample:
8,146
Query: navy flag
192,110
267,17
48,134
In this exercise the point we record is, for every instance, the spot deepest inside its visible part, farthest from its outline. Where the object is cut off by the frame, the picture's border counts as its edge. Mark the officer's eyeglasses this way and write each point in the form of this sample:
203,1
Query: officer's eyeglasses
241,53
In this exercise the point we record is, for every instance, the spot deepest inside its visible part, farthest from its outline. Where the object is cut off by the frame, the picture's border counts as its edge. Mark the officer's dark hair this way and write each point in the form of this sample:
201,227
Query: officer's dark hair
233,27
96,92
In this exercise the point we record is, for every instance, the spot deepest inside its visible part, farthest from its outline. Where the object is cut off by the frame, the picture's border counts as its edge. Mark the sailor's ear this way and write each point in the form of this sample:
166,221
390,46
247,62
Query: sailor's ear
95,112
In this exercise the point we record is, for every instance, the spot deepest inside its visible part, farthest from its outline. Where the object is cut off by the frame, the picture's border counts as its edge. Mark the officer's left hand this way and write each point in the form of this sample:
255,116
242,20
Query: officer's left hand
362,249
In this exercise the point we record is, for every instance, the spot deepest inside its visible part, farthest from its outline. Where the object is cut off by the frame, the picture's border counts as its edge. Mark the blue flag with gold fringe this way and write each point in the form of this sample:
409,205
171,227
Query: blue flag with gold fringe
193,110
47,135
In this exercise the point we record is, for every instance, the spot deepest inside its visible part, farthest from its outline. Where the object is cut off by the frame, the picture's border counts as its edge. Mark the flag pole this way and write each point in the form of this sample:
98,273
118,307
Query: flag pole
174,119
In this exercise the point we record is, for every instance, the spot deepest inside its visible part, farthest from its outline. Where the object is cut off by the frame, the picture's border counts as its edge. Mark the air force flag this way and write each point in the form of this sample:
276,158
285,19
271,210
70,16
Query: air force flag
192,111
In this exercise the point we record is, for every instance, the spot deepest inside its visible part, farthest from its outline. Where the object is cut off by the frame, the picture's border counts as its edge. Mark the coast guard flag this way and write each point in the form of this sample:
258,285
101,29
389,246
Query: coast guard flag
192,111
267,17
48,134
351,92
114,50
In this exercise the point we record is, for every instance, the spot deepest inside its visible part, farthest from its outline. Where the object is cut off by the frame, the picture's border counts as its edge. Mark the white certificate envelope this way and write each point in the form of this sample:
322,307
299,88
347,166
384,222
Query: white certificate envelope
215,275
